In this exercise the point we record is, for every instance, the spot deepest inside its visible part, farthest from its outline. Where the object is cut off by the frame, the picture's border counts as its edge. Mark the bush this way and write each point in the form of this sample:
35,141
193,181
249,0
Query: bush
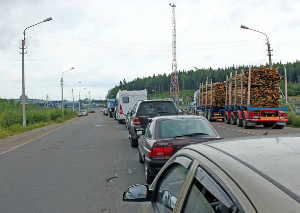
55,114
294,120
33,117
10,117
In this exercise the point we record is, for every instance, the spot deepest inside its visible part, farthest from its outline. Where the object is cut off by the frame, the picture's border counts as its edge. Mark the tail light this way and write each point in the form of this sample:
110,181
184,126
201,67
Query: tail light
161,151
136,121
255,115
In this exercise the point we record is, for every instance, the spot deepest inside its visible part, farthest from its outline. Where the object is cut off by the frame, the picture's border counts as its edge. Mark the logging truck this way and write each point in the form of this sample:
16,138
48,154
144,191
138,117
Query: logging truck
253,98
248,99
211,101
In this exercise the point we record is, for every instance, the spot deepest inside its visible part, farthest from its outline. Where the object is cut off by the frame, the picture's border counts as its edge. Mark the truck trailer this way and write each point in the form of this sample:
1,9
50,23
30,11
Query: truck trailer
253,98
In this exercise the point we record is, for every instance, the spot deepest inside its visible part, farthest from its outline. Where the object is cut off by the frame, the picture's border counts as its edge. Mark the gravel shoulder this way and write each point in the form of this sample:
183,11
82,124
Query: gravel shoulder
11,142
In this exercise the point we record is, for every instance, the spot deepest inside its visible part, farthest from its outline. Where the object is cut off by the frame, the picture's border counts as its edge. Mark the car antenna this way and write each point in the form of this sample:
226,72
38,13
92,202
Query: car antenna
270,129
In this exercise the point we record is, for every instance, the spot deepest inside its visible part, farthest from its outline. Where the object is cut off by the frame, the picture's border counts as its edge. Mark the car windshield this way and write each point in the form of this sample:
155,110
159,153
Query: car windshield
174,128
82,110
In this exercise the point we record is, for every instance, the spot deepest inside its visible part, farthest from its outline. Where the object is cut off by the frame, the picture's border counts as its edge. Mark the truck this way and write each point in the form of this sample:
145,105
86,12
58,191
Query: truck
249,103
125,100
249,99
209,104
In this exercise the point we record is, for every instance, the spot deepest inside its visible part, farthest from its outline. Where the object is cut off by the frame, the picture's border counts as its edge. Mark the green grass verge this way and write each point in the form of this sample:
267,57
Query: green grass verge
17,128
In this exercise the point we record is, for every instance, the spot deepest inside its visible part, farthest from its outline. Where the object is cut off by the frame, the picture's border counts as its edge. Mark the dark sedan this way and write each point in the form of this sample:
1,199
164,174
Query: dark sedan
165,135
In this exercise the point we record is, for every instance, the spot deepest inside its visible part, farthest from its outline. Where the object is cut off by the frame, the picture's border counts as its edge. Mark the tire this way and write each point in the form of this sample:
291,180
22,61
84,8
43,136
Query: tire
232,121
149,178
134,142
226,120
245,123
140,158
119,121
205,114
279,126
239,122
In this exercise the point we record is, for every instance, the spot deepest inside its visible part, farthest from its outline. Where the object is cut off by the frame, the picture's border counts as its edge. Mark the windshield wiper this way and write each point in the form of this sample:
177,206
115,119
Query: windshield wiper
192,134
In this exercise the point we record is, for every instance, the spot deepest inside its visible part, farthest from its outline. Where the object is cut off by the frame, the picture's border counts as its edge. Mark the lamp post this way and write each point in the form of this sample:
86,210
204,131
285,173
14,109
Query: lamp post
23,70
79,98
268,43
73,94
62,90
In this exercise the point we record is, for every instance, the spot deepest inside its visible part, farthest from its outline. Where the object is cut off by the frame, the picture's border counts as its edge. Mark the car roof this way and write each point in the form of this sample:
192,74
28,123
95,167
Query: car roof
275,159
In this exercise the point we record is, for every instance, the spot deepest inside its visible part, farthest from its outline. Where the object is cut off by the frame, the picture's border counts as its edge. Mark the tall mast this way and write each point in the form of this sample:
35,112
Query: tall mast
174,88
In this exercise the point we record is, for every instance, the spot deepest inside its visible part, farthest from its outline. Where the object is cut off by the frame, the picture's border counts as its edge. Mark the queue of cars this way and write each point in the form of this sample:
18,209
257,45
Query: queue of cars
190,168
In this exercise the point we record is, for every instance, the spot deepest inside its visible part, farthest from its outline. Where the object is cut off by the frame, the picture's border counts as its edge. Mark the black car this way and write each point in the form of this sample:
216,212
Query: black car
145,109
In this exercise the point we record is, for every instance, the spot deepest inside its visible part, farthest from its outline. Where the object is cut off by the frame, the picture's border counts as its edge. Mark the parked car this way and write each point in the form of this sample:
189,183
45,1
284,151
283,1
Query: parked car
83,112
93,111
165,135
257,174
145,109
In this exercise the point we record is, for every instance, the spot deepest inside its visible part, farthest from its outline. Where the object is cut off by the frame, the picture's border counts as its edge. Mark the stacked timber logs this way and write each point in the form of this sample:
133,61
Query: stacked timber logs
264,91
218,93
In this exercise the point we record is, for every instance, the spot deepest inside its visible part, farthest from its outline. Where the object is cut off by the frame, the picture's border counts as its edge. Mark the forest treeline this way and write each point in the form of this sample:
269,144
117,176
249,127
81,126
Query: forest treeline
189,80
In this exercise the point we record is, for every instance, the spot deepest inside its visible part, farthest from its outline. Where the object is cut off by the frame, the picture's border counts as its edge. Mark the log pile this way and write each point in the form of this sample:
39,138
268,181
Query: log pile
264,92
218,94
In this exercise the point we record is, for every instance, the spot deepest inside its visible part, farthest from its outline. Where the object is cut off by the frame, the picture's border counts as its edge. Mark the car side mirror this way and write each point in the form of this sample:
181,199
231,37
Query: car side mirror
137,193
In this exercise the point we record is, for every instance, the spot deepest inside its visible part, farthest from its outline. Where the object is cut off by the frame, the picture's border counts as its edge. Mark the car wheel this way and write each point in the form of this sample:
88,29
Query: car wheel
140,158
245,123
149,178
134,142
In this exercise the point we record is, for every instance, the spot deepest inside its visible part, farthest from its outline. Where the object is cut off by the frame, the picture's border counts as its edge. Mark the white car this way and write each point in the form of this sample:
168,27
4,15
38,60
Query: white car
83,112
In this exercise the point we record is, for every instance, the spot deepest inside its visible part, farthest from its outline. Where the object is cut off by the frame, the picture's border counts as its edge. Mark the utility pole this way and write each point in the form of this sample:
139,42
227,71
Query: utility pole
23,81
23,70
174,87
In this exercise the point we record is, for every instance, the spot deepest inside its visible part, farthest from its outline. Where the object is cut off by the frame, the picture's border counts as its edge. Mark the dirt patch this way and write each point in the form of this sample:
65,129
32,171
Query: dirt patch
16,140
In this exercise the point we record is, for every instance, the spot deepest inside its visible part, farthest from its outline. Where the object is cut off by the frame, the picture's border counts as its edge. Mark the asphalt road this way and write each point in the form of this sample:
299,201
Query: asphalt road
82,167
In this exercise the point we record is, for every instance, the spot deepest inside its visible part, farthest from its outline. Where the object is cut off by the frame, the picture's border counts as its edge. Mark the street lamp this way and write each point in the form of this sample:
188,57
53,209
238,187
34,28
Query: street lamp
62,90
23,70
73,94
79,98
268,44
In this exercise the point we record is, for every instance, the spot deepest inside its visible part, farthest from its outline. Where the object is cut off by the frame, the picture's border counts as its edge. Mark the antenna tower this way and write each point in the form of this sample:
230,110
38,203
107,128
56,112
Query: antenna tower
174,88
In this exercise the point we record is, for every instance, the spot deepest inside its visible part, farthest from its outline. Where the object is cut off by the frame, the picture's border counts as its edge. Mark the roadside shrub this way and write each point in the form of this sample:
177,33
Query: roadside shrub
55,114
10,117
294,120
37,117
17,128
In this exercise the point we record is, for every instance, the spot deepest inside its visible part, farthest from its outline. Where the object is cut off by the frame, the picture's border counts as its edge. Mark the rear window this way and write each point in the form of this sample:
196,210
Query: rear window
157,108
177,127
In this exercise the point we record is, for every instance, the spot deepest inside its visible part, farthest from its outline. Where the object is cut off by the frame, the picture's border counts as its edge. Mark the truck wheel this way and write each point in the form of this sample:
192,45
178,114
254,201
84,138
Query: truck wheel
205,114
239,122
134,142
226,120
232,121
245,123
279,126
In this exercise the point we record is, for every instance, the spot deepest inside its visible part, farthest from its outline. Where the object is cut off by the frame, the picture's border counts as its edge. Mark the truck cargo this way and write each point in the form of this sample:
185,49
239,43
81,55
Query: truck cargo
247,99
211,100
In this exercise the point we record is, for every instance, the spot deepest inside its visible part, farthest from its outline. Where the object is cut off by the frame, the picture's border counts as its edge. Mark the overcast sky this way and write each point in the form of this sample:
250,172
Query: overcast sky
108,41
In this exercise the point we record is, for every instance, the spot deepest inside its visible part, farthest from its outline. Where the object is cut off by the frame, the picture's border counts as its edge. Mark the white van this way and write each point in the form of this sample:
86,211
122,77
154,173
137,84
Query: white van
125,100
